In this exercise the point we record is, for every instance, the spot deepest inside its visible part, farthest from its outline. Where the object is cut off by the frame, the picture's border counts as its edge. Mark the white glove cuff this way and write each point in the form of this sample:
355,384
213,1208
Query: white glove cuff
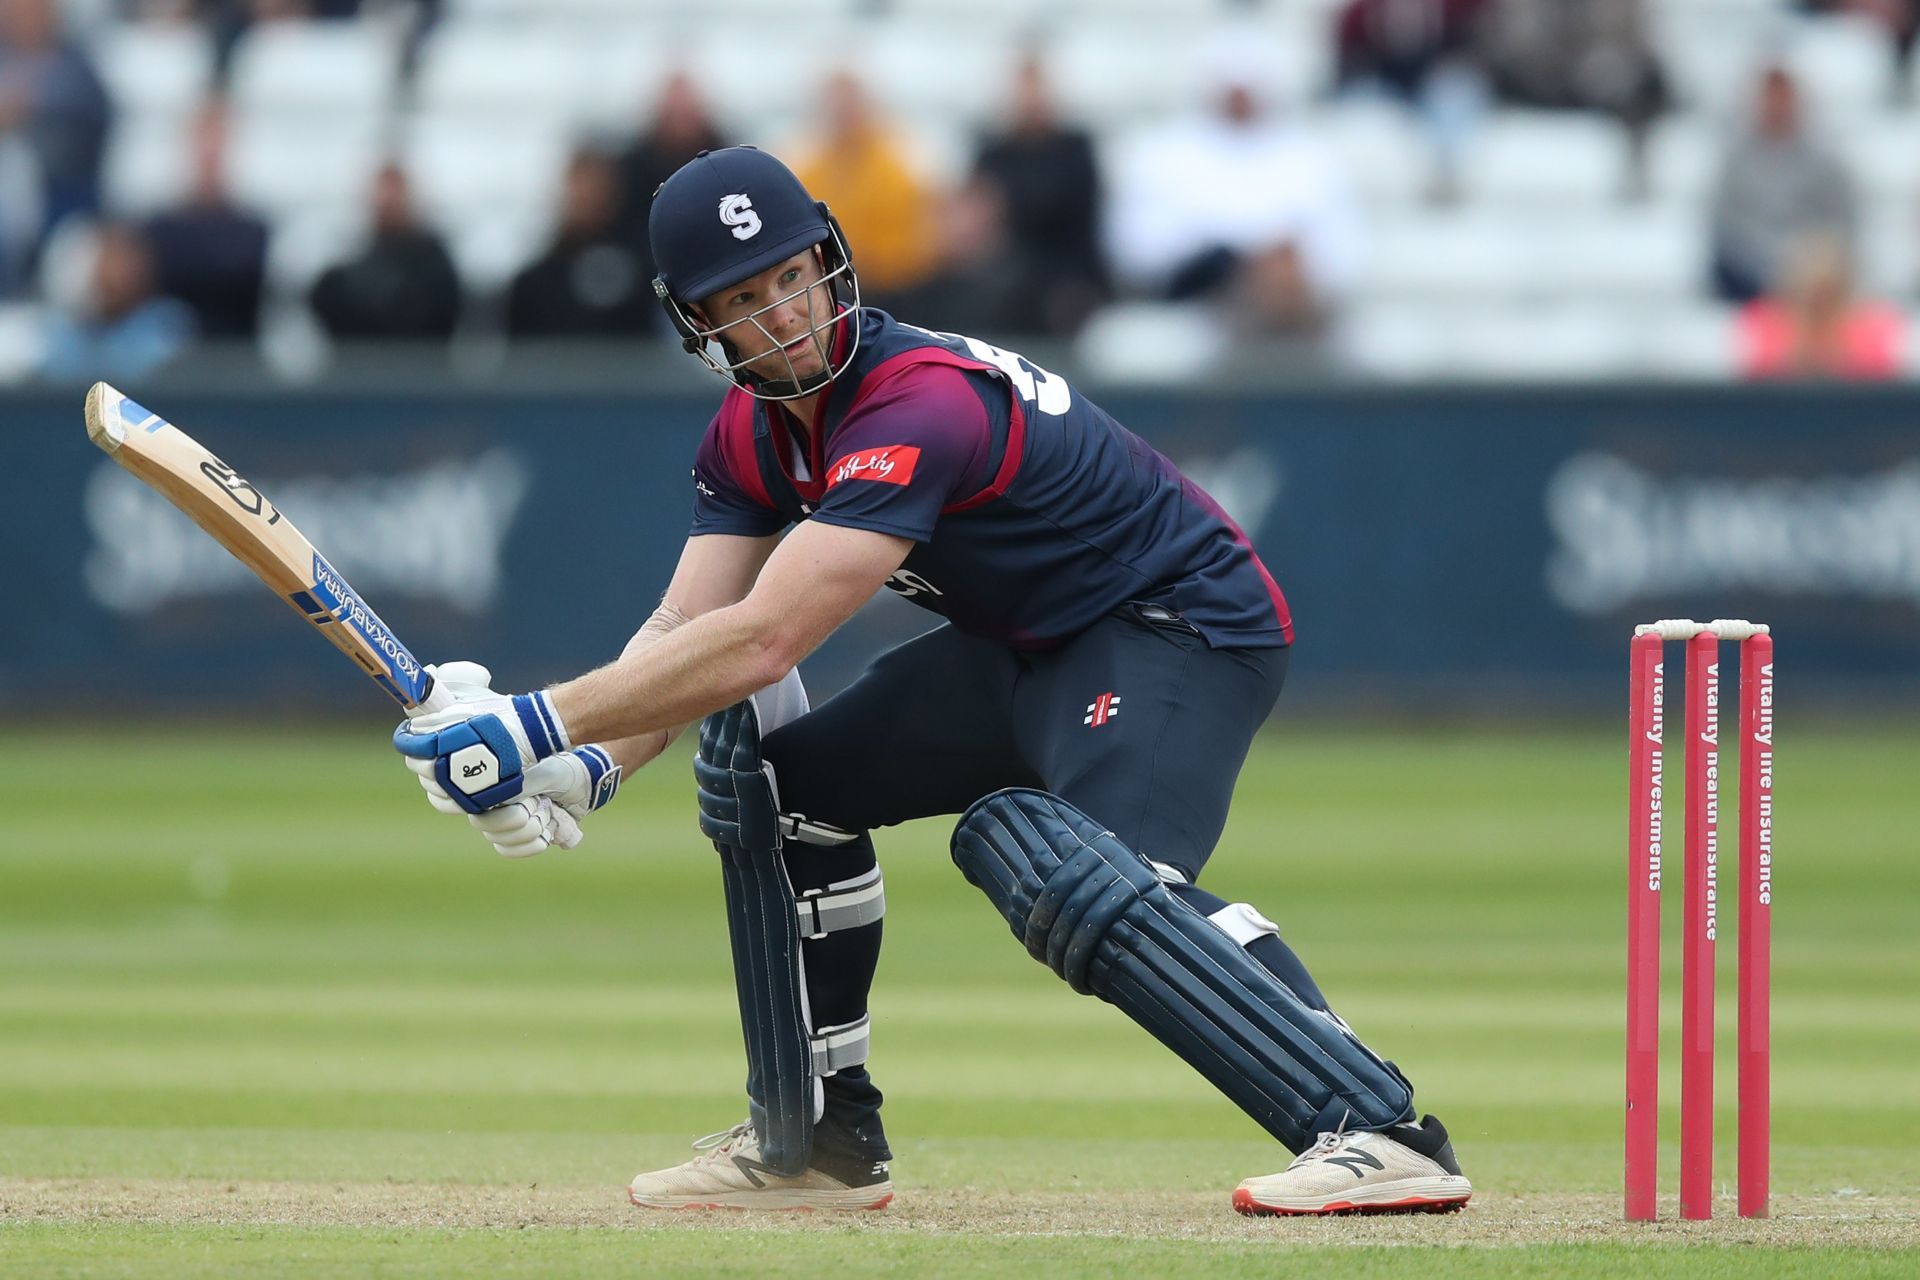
603,775
541,722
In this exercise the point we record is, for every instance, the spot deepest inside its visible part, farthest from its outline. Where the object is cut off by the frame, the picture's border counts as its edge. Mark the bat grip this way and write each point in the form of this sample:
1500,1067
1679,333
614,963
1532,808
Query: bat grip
436,699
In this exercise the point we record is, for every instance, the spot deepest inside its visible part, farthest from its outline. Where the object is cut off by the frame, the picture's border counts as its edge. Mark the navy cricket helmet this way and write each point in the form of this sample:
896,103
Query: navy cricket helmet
726,216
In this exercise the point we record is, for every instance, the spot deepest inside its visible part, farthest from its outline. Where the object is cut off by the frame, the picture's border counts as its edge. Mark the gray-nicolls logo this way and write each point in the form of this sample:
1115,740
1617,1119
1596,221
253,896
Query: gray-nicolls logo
907,583
737,212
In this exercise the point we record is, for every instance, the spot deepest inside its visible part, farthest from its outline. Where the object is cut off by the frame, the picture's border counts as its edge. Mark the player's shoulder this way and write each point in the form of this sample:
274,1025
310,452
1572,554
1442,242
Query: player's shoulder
918,400
903,358
727,446
733,423
734,413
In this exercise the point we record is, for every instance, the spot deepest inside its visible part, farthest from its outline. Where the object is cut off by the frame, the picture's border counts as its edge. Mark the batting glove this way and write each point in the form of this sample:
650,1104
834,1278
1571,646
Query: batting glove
560,791
557,793
481,745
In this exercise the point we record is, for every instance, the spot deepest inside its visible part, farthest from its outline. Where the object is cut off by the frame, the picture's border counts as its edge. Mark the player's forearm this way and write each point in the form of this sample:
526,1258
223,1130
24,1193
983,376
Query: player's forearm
633,753
710,663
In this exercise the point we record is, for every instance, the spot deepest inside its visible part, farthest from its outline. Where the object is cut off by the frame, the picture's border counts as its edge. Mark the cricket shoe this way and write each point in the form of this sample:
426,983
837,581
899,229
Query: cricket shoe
729,1174
1406,1169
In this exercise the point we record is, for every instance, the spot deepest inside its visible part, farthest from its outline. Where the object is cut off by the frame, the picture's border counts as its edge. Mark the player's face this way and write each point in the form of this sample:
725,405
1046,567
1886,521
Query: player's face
780,321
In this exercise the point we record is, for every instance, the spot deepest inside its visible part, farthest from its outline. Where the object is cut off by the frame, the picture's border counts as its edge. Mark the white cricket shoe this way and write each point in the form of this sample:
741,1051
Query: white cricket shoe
728,1174
1364,1172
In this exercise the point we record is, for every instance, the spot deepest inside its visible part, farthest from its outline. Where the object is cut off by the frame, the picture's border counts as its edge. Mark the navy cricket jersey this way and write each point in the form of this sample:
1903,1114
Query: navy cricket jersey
1033,513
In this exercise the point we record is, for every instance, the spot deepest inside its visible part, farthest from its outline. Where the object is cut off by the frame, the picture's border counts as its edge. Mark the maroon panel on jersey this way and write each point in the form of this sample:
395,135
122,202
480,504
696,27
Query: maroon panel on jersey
1033,512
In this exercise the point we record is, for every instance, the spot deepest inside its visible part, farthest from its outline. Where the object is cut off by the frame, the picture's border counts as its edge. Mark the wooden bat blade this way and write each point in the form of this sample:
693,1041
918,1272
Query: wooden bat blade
240,518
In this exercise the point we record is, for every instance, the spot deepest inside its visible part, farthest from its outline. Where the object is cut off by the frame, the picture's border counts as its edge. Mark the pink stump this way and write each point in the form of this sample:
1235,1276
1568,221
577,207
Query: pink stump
1700,909
1645,766
1756,921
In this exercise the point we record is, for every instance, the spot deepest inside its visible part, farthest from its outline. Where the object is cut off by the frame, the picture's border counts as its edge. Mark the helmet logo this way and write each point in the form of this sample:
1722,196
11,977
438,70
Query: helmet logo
737,212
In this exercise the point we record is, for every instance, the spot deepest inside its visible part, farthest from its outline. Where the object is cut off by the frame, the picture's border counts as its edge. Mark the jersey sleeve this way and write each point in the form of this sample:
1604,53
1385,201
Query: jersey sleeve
917,444
721,503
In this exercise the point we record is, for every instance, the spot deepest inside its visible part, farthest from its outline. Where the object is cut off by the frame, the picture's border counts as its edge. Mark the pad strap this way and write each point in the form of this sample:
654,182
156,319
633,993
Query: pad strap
836,1048
846,905
797,826
1239,921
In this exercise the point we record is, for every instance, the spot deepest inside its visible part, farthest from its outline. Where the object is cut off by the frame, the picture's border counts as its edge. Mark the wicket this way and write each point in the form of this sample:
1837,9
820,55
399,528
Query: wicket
1700,910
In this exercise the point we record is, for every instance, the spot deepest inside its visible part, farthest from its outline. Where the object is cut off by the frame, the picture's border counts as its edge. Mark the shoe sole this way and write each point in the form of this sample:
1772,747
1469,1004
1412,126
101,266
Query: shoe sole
856,1200
1440,1198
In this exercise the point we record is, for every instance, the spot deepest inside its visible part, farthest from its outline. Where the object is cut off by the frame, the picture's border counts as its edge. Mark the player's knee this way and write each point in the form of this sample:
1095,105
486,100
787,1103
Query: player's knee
1060,880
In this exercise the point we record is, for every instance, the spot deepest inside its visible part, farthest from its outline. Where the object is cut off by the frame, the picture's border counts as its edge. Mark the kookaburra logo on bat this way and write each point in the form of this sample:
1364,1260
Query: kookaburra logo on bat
244,495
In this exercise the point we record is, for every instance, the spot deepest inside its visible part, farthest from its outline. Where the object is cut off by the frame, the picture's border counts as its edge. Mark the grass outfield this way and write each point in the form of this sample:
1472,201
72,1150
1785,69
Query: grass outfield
263,1013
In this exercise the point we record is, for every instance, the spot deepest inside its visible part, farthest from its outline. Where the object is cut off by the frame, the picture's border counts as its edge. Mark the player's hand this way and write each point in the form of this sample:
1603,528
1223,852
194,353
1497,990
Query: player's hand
526,826
481,745
557,793
579,781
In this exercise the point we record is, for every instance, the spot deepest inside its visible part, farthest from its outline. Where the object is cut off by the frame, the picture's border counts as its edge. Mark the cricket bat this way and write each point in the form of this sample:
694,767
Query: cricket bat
241,519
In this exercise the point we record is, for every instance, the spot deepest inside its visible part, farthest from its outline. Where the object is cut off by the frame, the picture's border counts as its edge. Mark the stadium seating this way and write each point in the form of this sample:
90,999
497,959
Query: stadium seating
157,76
1549,261
310,104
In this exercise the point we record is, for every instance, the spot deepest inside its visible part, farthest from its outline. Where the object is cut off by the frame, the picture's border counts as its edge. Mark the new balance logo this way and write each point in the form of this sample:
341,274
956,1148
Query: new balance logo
1102,709
748,1167
1354,1162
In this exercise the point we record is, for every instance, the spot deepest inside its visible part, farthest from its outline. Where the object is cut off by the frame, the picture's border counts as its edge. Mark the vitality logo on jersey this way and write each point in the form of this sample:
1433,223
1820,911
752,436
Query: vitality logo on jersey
1102,709
892,465
737,212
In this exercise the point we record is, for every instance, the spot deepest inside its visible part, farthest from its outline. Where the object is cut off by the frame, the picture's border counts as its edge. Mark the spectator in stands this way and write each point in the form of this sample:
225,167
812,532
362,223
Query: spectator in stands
402,286
1777,185
209,253
1399,46
20,212
51,98
122,328
1815,327
864,171
1274,299
982,285
681,128
1422,53
1198,197
1047,175
1579,55
591,282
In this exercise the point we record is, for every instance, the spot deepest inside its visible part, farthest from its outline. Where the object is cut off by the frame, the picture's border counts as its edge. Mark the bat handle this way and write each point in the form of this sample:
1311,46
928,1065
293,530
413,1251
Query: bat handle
436,699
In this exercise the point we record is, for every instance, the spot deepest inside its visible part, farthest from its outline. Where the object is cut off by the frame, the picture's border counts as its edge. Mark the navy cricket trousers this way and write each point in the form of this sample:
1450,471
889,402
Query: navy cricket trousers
1137,721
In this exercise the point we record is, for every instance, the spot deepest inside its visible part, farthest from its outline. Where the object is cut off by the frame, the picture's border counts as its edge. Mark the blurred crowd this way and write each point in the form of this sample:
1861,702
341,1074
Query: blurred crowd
1237,212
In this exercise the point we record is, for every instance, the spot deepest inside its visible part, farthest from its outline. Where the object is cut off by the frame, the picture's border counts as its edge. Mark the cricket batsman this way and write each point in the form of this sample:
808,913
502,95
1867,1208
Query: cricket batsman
1107,644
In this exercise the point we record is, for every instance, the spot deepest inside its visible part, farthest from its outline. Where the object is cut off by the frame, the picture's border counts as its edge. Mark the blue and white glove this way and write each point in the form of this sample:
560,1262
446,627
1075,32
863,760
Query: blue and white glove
558,792
481,745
